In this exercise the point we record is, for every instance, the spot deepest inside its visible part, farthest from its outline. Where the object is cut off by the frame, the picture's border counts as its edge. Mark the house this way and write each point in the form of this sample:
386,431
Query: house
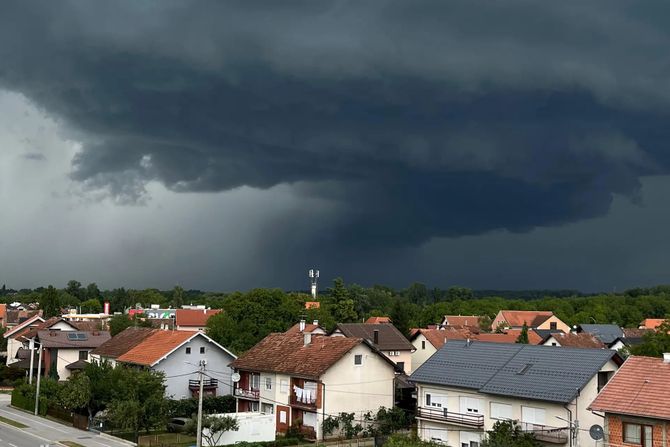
572,340
652,323
14,336
300,378
66,351
15,317
378,320
312,305
635,404
175,353
533,319
427,342
3,315
461,320
509,336
303,327
385,337
193,319
631,337
606,333
467,386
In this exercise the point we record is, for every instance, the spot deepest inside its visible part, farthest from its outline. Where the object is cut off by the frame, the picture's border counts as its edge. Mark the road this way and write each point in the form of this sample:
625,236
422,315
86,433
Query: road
43,432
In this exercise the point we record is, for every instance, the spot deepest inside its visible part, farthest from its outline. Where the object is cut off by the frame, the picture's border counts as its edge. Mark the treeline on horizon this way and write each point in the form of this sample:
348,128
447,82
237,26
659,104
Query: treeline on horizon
249,316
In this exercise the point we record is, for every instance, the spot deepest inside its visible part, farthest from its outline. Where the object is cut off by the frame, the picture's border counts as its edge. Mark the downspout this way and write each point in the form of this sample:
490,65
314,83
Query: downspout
323,411
569,419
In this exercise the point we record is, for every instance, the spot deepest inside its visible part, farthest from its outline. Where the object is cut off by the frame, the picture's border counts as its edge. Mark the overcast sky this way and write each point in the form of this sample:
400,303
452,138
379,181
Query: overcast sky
231,145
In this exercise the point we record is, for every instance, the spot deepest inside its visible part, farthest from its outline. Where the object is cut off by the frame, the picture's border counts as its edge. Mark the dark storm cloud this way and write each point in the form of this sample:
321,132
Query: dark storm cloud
420,119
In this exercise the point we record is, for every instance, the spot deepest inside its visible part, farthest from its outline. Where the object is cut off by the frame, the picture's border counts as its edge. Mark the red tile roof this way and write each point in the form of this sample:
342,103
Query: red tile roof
651,323
3,313
154,347
532,318
641,387
581,340
123,342
462,320
194,317
437,337
287,354
378,320
16,330
312,305
309,327
509,336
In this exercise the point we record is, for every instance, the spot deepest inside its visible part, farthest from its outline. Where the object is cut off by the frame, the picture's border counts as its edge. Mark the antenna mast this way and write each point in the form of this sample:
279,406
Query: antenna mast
313,276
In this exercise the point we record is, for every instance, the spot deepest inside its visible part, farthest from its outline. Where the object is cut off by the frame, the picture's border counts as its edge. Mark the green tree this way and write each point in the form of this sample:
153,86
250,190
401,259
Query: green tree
339,291
74,289
344,311
177,297
75,394
213,427
509,434
417,293
49,302
523,336
91,306
654,343
93,292
118,323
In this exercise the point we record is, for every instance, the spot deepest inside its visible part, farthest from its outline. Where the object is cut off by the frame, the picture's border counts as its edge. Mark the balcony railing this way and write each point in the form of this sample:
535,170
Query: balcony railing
247,394
442,415
546,433
207,384
303,402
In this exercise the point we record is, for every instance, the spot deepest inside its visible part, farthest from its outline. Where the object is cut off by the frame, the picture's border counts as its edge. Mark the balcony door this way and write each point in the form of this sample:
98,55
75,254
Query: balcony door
470,405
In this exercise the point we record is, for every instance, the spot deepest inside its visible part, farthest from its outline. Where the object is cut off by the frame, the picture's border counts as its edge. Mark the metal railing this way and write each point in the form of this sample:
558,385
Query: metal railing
547,433
248,394
441,414
207,383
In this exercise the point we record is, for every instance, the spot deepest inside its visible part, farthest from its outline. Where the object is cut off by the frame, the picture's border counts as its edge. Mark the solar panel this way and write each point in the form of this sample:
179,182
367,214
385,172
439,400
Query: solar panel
76,336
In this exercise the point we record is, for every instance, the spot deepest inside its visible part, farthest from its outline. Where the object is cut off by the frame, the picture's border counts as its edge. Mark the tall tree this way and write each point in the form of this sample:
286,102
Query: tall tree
49,302
177,297
74,289
523,336
93,292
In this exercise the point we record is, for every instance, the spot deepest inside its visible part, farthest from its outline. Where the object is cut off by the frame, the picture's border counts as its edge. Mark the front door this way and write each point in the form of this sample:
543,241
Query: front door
283,421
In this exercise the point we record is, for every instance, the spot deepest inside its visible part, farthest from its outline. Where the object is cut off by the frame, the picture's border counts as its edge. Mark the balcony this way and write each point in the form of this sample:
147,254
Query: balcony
546,433
247,394
442,415
208,384
309,402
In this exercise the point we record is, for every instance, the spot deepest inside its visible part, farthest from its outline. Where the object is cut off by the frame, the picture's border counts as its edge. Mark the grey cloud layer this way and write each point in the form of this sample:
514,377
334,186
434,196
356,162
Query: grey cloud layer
420,119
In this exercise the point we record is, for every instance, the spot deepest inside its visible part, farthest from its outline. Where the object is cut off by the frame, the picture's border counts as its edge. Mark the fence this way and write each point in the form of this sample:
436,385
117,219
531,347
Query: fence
178,440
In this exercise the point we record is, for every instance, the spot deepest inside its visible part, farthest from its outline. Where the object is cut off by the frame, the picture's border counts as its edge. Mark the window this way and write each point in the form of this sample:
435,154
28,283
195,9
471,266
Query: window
401,365
501,411
436,400
283,386
358,359
254,407
309,419
553,326
188,350
393,353
423,344
202,349
532,415
638,434
603,378
255,382
268,408
268,383
470,405
469,439
83,355
553,343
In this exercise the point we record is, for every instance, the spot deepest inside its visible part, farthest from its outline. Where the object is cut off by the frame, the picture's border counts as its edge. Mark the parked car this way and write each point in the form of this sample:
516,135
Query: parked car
177,425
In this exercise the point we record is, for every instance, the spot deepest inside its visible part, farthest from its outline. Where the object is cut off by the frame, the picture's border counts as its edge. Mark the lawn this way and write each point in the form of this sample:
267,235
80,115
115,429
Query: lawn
12,422
166,439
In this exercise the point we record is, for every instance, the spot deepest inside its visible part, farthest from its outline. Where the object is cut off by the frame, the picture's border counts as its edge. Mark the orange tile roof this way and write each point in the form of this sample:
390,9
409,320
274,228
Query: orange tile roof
288,354
312,305
509,336
437,337
194,317
156,346
378,320
651,323
309,327
462,320
641,387
532,318
3,313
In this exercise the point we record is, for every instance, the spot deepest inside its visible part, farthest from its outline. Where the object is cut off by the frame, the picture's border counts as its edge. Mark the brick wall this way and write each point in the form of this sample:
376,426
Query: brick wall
614,433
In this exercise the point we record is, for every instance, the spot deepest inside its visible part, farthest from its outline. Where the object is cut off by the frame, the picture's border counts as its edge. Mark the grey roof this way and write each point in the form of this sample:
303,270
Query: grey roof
606,333
546,333
547,373
390,338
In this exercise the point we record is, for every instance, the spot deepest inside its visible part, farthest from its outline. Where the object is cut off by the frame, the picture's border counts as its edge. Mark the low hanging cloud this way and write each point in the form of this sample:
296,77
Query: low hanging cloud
419,120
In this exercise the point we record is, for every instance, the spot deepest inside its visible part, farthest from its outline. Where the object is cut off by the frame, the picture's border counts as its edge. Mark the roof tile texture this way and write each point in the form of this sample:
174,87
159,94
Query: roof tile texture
462,320
390,338
123,342
532,318
288,354
581,340
155,347
194,317
641,387
60,339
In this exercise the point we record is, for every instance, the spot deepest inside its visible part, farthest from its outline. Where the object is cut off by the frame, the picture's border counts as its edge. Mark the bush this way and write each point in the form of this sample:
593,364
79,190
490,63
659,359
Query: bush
186,408
23,396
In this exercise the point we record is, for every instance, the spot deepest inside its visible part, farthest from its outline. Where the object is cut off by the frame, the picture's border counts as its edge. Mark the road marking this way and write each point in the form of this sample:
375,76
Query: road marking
34,420
14,445
98,442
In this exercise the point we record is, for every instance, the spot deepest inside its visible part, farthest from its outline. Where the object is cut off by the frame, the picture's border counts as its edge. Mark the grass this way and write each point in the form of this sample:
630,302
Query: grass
71,444
12,422
165,438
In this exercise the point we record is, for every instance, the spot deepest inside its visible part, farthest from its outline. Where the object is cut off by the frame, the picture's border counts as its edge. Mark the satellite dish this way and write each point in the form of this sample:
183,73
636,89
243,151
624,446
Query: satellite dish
236,378
596,432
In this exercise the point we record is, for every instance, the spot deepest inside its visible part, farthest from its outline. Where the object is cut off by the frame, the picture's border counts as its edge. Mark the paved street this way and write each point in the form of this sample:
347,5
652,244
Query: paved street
43,432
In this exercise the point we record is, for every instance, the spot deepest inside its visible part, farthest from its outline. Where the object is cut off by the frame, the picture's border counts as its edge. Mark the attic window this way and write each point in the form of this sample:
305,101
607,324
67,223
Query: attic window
524,368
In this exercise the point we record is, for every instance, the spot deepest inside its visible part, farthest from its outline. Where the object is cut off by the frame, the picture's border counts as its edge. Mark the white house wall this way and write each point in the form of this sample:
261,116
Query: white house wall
421,355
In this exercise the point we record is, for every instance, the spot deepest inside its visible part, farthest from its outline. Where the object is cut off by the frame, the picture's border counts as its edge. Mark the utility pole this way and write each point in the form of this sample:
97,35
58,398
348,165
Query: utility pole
202,375
39,376
32,361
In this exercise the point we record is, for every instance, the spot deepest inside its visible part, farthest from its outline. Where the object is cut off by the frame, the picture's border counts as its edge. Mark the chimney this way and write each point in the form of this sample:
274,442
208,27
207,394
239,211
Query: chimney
307,338
666,357
302,325
375,336
315,322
